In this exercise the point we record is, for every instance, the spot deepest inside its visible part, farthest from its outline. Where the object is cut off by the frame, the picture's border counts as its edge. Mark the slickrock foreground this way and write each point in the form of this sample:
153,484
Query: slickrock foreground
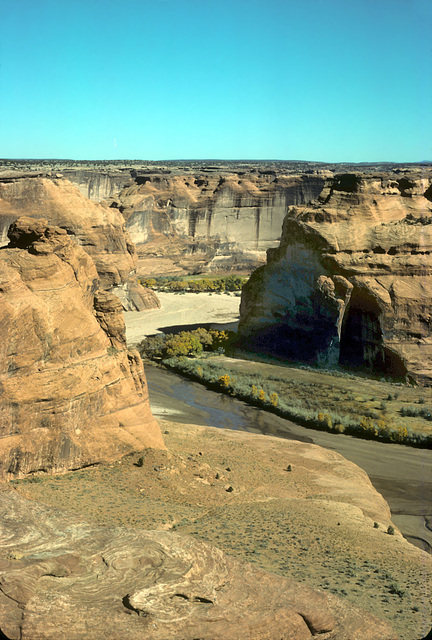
61,578
291,508
71,393
351,281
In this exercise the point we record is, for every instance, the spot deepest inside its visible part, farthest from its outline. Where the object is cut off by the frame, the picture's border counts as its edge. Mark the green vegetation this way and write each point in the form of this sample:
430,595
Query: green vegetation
185,343
306,398
195,285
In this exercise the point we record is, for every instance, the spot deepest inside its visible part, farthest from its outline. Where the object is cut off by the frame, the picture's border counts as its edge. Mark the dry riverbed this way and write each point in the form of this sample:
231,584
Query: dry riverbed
221,311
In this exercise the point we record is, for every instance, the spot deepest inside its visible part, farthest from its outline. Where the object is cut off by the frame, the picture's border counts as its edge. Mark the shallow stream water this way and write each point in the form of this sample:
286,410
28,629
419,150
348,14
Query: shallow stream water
403,475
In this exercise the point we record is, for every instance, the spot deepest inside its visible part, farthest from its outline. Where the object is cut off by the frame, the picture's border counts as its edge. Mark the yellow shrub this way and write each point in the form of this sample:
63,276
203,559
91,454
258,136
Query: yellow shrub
274,399
325,420
225,380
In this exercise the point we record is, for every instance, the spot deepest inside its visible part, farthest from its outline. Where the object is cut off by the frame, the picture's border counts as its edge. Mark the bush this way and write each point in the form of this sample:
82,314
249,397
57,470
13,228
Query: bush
225,380
153,346
274,399
184,343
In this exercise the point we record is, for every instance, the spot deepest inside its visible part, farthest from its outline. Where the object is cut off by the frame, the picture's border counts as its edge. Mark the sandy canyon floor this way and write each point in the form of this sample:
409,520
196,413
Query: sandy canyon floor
177,309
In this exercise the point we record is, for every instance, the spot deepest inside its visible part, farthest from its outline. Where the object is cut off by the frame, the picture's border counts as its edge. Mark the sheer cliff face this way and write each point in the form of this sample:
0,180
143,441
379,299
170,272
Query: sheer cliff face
71,393
230,217
351,281
97,228
99,185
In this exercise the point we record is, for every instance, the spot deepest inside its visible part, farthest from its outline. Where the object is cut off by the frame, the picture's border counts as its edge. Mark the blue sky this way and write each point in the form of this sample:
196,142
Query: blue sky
330,80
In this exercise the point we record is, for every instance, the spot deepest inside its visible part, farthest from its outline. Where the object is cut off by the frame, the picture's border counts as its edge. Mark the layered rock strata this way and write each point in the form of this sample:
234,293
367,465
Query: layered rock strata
64,578
351,281
71,394
97,228
221,220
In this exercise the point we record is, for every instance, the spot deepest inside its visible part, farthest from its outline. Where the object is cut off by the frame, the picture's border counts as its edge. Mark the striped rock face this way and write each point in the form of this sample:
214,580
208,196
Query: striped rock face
71,394
351,281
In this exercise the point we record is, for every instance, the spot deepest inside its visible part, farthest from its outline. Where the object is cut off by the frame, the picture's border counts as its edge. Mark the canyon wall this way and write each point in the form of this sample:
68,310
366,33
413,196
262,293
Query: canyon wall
227,220
99,185
351,281
71,394
97,228
217,219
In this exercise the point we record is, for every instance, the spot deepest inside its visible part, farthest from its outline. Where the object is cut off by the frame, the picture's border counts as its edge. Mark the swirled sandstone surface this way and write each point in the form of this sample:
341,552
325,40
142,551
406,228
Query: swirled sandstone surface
291,508
60,577
351,281
71,394
100,230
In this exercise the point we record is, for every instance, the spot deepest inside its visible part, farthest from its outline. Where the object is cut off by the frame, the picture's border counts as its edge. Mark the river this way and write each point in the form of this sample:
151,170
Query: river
403,475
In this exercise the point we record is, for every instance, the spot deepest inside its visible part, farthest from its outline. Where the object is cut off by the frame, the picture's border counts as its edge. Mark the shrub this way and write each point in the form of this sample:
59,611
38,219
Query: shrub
148,282
339,428
325,421
205,337
183,344
274,399
153,346
225,380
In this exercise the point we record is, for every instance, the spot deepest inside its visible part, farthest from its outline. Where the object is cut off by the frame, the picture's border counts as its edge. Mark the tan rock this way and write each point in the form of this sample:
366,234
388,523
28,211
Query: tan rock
71,393
351,281
63,578
221,220
100,230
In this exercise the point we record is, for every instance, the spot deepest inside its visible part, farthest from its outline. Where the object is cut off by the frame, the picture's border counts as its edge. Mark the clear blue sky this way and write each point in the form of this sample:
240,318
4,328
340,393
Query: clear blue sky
331,80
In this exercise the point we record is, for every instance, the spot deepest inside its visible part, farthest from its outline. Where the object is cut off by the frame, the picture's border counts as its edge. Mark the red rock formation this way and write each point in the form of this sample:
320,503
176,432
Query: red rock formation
97,228
71,393
351,280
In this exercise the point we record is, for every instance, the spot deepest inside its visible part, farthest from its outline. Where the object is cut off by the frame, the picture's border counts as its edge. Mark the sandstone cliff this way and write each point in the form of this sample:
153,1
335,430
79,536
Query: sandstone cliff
219,220
98,184
97,228
71,394
351,281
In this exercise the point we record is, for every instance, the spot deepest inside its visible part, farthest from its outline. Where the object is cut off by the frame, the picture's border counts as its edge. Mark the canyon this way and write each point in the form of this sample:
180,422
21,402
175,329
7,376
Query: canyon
354,253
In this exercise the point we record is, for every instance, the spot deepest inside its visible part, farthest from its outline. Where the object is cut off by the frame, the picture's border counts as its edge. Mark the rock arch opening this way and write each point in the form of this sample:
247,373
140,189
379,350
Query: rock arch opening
362,343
